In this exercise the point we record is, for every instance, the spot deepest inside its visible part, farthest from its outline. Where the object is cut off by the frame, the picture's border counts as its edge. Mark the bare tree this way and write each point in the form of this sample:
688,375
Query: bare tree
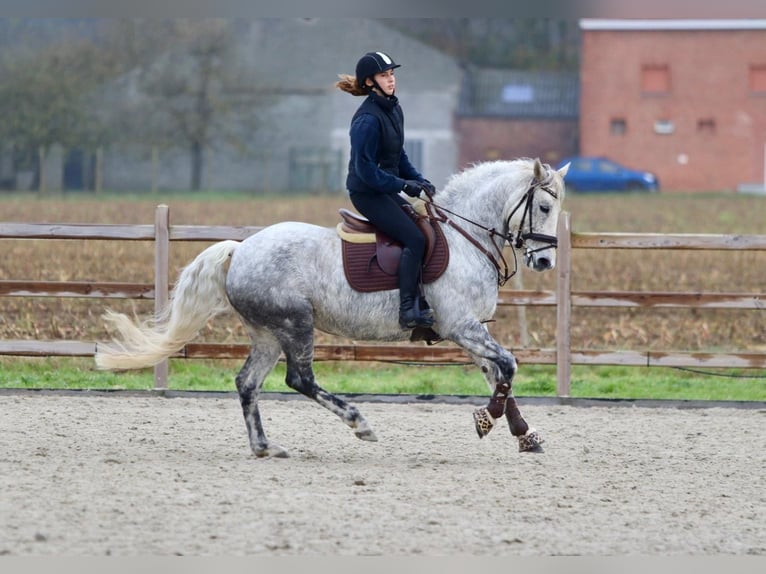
522,43
44,100
183,91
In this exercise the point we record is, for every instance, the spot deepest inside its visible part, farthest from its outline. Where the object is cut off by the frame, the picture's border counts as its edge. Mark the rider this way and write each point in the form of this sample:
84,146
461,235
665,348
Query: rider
379,170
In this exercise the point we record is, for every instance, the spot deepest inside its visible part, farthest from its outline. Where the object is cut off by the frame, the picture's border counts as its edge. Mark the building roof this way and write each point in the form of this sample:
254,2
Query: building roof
672,24
520,94
295,54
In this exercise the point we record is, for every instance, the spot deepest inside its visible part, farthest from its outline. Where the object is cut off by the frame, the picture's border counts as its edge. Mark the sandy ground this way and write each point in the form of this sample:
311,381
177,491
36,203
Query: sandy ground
145,475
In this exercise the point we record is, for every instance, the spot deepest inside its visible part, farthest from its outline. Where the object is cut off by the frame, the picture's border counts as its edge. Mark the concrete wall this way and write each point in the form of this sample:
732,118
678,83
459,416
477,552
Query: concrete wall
290,66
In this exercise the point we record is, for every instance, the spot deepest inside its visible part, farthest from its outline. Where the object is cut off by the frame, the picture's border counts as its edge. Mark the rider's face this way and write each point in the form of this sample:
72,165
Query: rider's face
387,82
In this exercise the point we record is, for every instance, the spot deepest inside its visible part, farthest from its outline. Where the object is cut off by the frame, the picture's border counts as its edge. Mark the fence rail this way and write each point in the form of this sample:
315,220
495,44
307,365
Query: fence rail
563,298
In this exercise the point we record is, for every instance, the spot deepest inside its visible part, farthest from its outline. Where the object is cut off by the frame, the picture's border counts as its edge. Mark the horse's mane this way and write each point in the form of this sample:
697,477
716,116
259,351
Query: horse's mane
471,177
499,183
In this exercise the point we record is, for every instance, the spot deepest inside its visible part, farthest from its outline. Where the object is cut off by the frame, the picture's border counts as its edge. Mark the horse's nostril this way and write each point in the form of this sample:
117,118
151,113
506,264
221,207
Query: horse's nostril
543,263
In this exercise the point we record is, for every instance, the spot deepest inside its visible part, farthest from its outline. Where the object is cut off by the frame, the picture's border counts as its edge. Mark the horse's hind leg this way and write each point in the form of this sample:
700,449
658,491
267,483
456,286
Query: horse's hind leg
498,367
298,346
300,376
264,354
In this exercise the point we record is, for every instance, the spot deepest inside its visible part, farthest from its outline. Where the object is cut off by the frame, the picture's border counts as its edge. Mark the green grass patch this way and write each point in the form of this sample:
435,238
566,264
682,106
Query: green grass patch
607,382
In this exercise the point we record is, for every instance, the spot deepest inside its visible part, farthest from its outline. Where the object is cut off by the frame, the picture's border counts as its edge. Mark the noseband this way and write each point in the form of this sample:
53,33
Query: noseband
504,273
521,238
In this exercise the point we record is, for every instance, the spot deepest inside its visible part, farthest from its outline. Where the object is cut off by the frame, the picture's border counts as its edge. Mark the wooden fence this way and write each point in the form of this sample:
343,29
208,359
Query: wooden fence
563,298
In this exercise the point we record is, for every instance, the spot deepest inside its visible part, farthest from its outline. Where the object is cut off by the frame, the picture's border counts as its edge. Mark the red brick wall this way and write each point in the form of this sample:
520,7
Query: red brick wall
484,139
709,72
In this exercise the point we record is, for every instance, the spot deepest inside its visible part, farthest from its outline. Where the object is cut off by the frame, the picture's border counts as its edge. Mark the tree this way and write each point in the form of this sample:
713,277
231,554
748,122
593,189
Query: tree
182,91
47,98
522,43
158,83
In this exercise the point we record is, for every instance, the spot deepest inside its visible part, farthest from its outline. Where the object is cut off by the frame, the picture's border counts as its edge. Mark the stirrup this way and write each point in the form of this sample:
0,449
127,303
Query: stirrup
424,320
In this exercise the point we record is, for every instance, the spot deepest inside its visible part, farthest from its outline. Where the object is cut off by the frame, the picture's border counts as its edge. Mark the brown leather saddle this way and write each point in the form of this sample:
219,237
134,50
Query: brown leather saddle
371,258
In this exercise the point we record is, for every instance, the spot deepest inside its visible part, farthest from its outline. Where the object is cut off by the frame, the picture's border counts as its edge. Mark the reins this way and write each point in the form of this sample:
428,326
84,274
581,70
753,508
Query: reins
503,272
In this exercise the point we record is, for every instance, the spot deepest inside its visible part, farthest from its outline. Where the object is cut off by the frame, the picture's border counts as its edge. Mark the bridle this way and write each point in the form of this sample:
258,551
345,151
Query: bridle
518,241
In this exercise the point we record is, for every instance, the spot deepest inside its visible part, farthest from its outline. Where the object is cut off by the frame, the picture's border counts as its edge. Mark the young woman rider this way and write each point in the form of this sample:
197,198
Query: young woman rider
379,170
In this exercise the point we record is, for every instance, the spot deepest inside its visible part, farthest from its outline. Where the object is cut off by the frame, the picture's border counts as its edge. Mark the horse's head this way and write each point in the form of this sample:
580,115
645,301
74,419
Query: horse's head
533,219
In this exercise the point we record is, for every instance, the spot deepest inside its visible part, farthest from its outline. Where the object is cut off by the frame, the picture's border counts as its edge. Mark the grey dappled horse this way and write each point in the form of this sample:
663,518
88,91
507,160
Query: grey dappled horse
287,280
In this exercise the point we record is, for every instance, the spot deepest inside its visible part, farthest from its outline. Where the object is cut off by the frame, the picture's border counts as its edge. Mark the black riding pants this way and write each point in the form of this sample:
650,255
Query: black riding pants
385,212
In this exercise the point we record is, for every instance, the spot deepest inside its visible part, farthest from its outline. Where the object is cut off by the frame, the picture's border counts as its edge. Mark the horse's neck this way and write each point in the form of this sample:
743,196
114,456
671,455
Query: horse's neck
485,207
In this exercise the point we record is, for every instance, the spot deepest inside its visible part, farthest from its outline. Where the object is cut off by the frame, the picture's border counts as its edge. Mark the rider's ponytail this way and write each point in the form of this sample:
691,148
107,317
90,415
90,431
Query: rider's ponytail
348,84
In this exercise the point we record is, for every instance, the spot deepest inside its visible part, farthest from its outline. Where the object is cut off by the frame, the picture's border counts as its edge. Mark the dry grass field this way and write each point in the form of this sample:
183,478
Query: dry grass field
639,329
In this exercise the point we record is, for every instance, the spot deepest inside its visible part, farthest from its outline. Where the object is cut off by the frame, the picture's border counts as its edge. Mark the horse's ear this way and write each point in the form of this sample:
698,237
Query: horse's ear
539,169
564,169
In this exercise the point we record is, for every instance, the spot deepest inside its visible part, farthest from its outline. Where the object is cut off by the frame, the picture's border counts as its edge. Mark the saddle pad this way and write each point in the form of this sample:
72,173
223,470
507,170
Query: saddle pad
364,274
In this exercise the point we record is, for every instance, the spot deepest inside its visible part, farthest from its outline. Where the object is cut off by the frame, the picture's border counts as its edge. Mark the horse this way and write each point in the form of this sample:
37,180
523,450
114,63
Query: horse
287,280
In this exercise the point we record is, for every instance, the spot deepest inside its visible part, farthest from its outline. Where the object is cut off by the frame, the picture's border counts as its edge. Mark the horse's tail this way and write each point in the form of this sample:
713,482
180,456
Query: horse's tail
198,296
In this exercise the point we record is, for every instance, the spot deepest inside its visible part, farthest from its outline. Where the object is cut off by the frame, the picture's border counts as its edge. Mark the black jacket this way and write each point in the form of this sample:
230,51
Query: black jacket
378,162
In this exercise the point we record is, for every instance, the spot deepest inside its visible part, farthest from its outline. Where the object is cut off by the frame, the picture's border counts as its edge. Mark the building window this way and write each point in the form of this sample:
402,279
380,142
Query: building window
664,127
655,79
617,127
757,78
518,93
706,125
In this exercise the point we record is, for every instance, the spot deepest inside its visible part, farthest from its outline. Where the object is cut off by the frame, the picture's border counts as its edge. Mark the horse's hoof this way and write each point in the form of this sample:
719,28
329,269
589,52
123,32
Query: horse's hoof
273,451
367,435
531,441
364,432
484,421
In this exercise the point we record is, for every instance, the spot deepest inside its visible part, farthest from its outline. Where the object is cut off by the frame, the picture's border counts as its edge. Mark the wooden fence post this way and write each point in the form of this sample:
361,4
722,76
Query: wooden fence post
42,184
155,168
99,176
563,306
521,311
161,280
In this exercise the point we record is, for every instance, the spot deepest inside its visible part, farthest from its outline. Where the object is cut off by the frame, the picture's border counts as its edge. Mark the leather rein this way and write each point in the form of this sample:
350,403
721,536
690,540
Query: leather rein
498,259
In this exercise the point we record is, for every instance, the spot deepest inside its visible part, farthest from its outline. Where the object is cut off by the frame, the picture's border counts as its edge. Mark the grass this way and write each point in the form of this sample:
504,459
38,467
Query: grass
603,382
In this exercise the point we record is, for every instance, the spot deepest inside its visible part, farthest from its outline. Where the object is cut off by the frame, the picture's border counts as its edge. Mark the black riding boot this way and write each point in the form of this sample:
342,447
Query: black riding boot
410,313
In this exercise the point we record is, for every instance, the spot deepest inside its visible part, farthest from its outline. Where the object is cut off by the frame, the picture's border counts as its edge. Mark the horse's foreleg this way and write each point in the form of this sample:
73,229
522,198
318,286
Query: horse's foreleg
264,354
502,403
529,439
498,366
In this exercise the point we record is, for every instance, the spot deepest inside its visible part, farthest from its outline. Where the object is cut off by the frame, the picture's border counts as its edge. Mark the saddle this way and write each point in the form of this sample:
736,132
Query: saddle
371,258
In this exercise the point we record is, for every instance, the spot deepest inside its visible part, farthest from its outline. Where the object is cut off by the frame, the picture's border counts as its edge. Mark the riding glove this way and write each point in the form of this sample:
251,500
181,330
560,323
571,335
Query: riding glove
412,188
428,187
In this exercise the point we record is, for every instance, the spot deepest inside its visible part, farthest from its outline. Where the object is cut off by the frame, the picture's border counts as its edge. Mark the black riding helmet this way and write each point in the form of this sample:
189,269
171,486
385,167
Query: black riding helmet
373,63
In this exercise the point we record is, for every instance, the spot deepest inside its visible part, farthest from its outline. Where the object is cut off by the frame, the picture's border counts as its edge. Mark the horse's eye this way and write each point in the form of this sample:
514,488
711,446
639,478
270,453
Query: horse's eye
545,208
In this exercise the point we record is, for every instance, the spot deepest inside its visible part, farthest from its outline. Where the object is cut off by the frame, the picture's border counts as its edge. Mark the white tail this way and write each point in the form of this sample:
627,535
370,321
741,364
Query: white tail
198,296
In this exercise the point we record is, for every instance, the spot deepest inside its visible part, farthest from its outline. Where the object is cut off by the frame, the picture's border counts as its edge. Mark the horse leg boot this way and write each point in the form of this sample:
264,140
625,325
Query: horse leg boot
502,403
485,417
529,439
410,314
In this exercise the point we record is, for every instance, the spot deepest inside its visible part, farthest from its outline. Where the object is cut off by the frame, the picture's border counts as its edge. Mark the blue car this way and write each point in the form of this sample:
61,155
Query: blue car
603,174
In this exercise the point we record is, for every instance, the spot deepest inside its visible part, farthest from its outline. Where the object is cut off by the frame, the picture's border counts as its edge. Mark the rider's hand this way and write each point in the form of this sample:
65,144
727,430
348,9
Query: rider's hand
412,188
428,187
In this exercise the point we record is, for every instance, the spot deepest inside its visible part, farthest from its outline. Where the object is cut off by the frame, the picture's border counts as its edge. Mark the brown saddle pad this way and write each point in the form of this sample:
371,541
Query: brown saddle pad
366,273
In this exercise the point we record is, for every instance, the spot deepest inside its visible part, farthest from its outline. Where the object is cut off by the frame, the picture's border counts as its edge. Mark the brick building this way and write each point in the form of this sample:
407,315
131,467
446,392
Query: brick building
683,98
505,114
